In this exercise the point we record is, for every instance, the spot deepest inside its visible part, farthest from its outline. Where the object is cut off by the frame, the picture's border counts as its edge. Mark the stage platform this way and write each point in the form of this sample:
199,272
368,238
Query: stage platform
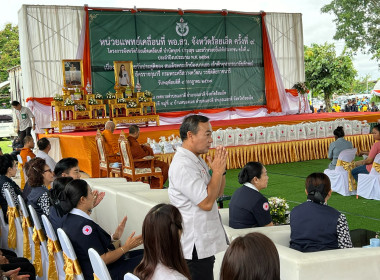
81,145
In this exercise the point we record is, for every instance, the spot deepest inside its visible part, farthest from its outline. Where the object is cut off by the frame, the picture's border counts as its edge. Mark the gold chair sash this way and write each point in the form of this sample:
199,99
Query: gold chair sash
53,247
376,166
71,267
26,246
37,262
12,213
348,166
96,277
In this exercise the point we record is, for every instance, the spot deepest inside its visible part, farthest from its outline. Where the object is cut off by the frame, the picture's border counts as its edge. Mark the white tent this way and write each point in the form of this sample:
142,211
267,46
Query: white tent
376,89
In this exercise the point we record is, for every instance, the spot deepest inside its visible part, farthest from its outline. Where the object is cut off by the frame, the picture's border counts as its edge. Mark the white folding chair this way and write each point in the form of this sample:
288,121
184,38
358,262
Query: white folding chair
68,250
57,254
28,158
130,276
17,223
4,231
98,265
42,239
25,214
339,177
19,159
369,184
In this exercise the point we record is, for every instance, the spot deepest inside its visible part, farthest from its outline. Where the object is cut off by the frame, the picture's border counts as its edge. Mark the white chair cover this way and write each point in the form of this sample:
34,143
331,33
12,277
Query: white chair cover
369,184
25,213
68,249
4,231
58,257
339,176
130,276
19,159
98,265
19,234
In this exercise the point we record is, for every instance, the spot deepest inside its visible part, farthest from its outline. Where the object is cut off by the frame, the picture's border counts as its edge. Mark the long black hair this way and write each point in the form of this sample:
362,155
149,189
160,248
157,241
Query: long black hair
73,191
318,186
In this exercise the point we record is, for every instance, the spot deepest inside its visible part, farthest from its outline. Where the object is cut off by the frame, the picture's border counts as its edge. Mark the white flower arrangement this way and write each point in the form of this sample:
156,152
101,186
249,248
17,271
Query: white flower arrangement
143,99
98,96
80,107
121,100
69,102
92,101
58,97
301,87
131,104
278,208
110,95
148,94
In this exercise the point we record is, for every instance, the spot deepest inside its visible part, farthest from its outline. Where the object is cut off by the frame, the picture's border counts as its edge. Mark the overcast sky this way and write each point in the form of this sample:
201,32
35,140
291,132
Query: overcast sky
318,28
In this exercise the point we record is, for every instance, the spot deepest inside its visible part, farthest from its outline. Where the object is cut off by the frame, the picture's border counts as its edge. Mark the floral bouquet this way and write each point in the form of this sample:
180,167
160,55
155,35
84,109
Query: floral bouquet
92,101
131,104
80,107
58,97
121,100
301,88
143,99
278,208
110,95
148,94
98,96
69,102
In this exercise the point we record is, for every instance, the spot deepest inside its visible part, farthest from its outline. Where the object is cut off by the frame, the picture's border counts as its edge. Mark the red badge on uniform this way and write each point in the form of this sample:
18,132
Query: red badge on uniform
266,206
87,230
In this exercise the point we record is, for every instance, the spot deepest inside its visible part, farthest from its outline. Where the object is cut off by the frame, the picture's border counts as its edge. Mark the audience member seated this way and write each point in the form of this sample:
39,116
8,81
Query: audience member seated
17,146
84,233
162,226
364,166
348,106
8,169
321,110
44,147
67,167
314,225
337,146
141,151
251,257
56,213
40,176
27,150
11,266
336,107
248,207
27,189
110,139
374,108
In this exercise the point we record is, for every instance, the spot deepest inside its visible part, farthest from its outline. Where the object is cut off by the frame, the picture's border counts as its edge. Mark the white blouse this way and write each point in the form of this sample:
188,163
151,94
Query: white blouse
164,273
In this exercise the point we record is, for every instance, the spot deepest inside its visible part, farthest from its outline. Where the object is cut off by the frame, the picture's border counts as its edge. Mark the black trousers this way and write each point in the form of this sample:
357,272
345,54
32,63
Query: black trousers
125,264
201,269
23,133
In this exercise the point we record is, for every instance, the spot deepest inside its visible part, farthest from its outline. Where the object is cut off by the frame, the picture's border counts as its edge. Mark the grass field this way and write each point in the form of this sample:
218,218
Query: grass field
4,145
287,180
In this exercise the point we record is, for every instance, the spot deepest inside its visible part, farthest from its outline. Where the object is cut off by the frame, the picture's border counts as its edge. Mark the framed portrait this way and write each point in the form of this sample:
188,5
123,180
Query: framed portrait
124,73
72,73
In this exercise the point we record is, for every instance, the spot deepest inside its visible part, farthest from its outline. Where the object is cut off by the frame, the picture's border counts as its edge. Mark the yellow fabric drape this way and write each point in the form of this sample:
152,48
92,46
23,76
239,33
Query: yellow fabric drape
37,252
376,166
22,176
348,166
71,267
53,247
26,246
12,213
96,277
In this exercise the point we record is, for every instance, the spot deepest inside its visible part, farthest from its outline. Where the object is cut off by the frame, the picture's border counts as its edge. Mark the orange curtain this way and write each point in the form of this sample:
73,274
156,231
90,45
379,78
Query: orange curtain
292,91
43,100
271,90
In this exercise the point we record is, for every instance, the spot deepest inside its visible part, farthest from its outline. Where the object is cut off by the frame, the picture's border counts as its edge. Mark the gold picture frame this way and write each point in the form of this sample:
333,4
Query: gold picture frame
122,79
72,73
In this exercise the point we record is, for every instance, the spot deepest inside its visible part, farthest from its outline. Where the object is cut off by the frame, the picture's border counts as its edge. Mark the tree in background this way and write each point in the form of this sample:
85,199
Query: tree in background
327,73
357,23
362,84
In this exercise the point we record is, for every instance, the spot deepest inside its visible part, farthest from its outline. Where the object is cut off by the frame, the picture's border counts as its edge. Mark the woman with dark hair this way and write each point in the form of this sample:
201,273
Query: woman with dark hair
8,169
162,226
56,195
364,166
337,146
84,234
314,225
67,167
248,207
40,176
123,76
251,257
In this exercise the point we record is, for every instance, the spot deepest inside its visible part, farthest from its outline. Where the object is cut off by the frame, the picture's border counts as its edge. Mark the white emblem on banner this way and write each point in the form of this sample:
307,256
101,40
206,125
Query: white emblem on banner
182,28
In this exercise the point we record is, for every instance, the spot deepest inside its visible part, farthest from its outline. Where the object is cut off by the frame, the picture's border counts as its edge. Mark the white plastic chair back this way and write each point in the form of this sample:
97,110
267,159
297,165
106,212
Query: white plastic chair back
373,170
369,184
98,265
68,249
346,155
19,159
28,158
19,233
25,213
130,276
57,256
43,246
4,231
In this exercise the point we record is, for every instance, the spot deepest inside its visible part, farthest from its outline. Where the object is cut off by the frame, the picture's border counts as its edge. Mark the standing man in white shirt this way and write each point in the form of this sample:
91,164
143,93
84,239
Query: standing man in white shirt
194,192
24,122
44,148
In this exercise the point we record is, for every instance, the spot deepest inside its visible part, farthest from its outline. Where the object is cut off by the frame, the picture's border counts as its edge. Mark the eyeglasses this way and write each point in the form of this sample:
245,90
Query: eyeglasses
47,170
